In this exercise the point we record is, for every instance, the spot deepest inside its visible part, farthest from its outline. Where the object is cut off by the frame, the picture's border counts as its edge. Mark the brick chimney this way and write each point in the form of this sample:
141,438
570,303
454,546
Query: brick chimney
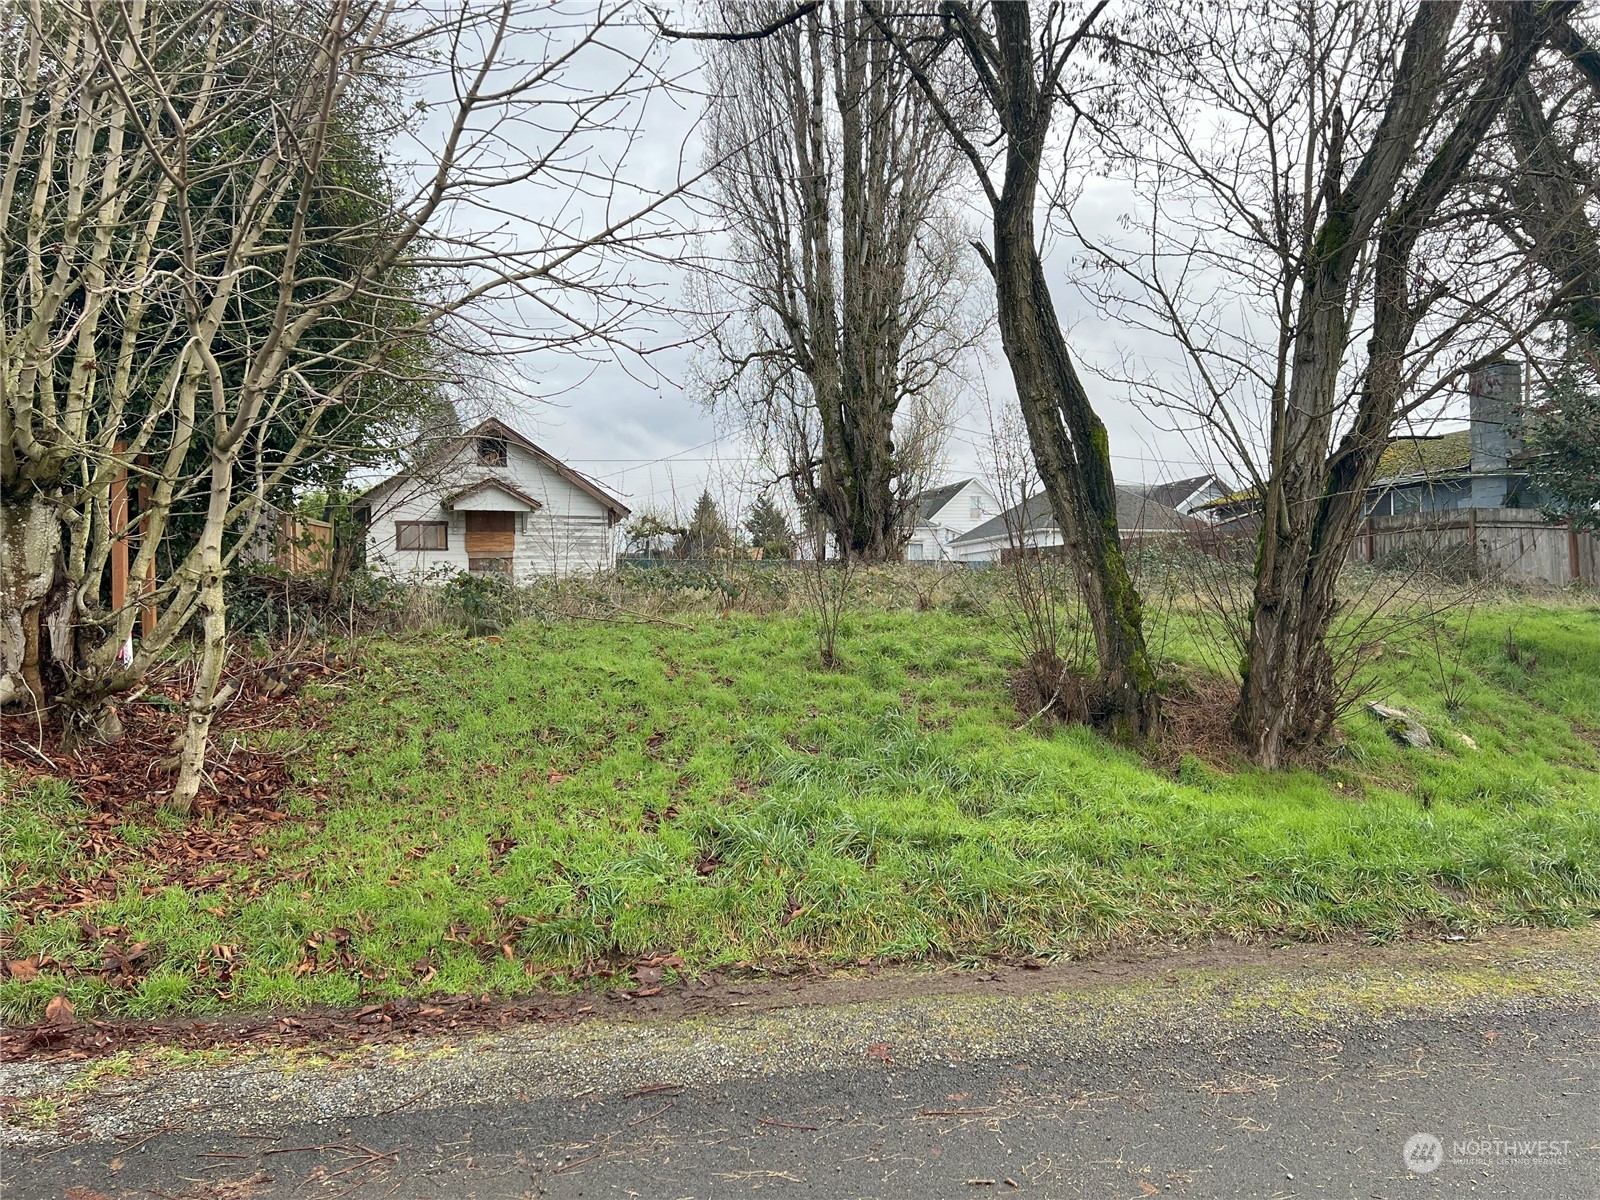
1495,397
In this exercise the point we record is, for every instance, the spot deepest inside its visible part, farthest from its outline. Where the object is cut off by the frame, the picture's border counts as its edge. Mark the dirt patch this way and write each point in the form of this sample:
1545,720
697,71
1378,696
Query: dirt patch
120,788
1197,719
1046,689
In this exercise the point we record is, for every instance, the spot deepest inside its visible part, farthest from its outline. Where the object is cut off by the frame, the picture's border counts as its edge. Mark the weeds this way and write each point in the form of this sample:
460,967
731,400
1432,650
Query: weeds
1449,672
499,814
827,591
1517,654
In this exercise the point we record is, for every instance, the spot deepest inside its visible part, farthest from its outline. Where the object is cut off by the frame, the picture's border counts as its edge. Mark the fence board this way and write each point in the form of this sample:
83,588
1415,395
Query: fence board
1512,544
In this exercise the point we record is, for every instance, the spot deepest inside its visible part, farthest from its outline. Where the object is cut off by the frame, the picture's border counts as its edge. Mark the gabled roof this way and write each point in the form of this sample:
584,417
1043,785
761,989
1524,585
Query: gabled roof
491,485
1136,513
932,500
1246,497
1175,493
496,428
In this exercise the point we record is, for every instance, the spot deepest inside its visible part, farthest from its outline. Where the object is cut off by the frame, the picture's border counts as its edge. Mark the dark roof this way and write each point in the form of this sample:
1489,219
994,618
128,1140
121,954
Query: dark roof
496,428
1175,493
1136,513
932,500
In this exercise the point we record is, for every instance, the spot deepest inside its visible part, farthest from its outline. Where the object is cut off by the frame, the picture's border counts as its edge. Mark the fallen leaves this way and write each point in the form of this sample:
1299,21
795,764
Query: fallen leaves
59,1012
122,960
120,789
881,1052
405,1018
338,956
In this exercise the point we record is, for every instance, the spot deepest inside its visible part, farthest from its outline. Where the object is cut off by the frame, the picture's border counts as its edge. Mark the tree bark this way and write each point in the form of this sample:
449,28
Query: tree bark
1069,441
1315,500
31,629
207,694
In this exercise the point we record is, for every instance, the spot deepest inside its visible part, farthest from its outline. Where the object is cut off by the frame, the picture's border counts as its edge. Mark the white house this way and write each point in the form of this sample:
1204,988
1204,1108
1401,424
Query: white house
1187,495
944,514
490,500
1030,524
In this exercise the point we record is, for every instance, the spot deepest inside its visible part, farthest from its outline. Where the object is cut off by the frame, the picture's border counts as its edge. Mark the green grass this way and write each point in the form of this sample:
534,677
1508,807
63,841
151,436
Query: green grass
711,793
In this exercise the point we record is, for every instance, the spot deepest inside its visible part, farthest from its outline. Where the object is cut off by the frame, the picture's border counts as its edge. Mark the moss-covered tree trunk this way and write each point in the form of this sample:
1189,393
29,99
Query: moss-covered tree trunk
1069,442
1315,497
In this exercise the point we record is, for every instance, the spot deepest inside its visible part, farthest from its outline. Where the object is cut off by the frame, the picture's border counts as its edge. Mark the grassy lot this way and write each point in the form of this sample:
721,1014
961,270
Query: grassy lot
583,795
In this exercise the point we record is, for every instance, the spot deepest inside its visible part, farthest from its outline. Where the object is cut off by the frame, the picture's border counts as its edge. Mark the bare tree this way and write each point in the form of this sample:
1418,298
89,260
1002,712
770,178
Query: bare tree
1548,187
167,166
837,320
1307,179
1019,70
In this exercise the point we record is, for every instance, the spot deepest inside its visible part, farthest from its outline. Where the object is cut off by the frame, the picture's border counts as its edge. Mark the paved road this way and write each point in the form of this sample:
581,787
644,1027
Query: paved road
1206,1092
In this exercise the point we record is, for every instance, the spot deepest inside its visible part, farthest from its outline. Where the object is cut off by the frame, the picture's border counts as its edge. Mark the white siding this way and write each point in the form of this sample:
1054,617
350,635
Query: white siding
955,518
569,533
1212,490
989,549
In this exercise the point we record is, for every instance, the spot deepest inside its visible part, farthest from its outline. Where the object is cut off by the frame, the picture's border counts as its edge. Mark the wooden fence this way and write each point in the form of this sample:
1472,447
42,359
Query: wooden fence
1512,544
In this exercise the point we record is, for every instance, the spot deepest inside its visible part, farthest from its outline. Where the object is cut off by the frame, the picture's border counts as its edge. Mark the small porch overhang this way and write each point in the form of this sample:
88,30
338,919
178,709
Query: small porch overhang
491,495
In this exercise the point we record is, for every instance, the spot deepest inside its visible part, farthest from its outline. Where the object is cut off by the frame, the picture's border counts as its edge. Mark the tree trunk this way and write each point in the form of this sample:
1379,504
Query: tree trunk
35,609
1315,500
1071,451
207,695
1069,441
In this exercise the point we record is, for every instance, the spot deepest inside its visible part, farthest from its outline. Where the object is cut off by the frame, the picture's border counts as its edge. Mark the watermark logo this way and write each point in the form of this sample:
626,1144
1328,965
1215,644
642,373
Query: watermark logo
1423,1153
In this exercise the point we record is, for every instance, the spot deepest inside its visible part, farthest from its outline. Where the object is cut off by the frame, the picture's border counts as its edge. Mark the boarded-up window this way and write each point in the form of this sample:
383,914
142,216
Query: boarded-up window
421,535
491,534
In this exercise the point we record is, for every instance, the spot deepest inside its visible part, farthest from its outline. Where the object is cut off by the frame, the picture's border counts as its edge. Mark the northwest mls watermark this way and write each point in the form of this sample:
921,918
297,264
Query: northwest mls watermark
1425,1152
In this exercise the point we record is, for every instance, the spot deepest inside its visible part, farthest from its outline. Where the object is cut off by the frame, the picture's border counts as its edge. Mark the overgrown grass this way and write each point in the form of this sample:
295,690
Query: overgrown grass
505,815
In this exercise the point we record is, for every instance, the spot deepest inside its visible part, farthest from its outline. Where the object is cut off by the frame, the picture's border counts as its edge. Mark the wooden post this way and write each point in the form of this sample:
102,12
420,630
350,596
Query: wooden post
119,530
1573,569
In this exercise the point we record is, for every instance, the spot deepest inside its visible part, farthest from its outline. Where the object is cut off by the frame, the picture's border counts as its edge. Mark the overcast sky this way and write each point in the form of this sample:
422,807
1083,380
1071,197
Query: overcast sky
635,425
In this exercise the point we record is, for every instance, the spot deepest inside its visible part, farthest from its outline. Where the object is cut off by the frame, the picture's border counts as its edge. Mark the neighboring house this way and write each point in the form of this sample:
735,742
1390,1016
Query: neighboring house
944,514
1482,466
1464,499
490,501
1188,495
1139,518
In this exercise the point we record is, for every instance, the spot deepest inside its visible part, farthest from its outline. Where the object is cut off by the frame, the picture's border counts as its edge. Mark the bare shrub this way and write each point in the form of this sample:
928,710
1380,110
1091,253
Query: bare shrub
826,585
1045,621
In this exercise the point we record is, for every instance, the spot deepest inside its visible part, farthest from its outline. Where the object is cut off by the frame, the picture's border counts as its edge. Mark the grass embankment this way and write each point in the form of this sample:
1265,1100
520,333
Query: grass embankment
501,815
